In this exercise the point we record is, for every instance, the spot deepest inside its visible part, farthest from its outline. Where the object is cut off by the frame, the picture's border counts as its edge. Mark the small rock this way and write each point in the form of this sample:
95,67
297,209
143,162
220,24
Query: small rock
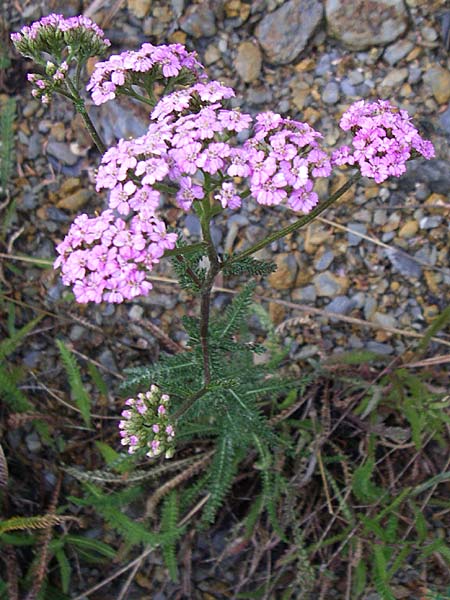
62,152
430,222
75,201
248,61
384,320
408,230
341,305
438,78
379,348
212,54
284,33
395,78
353,238
403,264
136,312
33,442
30,108
139,8
330,94
328,284
370,306
324,261
395,52
304,294
360,25
429,34
284,277
199,21
444,120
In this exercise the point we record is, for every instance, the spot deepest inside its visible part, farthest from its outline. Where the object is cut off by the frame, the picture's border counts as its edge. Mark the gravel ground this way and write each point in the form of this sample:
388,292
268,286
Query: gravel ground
378,260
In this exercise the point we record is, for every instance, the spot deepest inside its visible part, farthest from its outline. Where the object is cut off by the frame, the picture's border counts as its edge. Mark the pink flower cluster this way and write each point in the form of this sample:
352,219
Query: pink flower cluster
284,158
190,144
46,85
145,424
383,140
108,259
142,68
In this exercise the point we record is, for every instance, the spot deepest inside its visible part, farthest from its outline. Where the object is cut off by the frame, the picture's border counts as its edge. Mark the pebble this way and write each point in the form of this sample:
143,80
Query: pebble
248,61
62,152
285,275
284,33
328,284
75,201
444,121
33,442
304,294
403,264
199,21
430,222
395,52
379,348
139,8
383,319
408,230
341,305
330,94
361,25
324,261
438,78
353,238
394,78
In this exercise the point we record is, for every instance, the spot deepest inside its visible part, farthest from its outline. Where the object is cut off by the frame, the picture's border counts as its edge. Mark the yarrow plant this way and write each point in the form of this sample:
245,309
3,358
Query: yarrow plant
203,157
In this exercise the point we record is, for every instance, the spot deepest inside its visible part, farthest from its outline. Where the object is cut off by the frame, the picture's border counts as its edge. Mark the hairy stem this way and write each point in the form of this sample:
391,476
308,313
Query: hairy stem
298,224
81,109
205,302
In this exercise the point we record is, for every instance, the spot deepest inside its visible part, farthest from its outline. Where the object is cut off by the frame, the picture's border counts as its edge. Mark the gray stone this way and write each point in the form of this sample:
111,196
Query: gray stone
403,264
444,121
347,88
353,238
304,294
341,305
395,52
434,172
324,261
430,222
370,306
395,78
365,23
62,152
330,94
385,320
33,442
380,348
199,21
327,284
192,224
284,33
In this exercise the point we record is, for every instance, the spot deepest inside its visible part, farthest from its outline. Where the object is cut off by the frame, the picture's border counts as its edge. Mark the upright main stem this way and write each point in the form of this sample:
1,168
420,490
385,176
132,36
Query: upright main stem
205,298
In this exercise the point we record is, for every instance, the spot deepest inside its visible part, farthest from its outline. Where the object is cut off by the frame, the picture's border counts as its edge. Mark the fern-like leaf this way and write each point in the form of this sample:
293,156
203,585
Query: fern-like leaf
79,393
169,520
7,116
223,469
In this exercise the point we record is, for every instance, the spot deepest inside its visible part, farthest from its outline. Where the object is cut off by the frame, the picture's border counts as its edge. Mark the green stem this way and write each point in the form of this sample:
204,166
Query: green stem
189,402
205,300
81,109
320,208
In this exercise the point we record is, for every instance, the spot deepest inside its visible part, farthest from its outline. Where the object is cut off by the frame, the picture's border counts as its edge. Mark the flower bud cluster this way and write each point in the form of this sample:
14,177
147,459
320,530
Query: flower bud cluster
54,33
64,41
143,68
146,425
383,140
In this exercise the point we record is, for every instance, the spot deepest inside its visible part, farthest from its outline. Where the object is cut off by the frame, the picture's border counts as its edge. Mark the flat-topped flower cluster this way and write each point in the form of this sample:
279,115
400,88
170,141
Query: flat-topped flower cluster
383,140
